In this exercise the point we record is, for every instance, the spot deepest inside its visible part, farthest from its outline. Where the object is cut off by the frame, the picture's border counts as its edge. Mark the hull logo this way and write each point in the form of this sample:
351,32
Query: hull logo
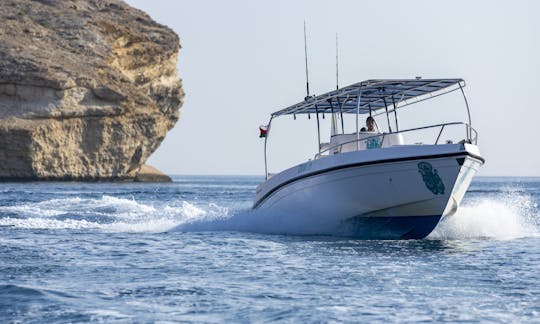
431,178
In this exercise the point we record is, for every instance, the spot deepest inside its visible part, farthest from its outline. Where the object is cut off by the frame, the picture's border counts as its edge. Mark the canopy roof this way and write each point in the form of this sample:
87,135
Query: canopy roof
374,95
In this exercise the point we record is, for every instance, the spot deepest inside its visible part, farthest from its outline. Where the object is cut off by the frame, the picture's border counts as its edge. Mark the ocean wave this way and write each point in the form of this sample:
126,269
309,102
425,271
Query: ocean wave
107,213
514,216
15,290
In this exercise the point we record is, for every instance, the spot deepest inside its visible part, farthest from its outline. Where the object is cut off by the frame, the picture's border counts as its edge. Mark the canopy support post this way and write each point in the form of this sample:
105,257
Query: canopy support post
395,113
341,113
468,112
318,128
334,122
387,116
357,115
265,142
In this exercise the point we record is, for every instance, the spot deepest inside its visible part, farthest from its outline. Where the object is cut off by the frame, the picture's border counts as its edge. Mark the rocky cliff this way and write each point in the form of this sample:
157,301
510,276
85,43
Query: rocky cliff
88,89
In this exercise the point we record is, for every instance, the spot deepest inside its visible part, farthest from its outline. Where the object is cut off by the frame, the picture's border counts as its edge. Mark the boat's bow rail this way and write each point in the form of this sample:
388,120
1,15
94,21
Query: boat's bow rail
342,143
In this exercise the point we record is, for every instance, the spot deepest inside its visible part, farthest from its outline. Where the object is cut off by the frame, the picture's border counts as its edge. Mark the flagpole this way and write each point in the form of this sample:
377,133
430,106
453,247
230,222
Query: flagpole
265,142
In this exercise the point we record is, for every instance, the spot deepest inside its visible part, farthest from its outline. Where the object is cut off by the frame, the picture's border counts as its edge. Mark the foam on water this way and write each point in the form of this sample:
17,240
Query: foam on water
106,213
512,217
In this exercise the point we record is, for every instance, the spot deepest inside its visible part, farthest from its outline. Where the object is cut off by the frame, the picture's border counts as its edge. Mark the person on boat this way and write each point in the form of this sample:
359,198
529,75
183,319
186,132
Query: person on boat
372,141
370,123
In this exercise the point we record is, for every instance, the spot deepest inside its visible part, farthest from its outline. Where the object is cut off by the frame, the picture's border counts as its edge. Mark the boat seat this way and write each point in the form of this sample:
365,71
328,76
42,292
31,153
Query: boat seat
393,139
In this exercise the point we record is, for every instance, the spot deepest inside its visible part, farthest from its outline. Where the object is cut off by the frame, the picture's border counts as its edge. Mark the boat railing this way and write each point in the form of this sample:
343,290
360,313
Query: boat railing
471,136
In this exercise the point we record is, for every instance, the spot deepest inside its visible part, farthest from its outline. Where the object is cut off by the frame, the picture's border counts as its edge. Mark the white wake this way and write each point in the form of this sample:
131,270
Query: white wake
106,213
512,217
515,216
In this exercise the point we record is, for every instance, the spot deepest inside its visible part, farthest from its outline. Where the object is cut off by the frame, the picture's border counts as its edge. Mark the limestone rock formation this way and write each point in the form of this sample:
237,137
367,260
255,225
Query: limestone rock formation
88,89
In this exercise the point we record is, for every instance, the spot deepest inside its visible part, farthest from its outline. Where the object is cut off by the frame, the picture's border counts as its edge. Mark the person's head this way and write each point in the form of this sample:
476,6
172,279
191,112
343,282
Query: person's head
370,123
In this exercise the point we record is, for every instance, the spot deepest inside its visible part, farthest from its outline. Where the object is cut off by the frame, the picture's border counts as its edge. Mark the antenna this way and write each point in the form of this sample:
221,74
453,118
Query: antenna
337,64
305,52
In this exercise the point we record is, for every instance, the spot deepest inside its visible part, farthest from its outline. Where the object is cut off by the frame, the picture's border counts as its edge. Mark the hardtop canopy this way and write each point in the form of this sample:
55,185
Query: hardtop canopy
374,95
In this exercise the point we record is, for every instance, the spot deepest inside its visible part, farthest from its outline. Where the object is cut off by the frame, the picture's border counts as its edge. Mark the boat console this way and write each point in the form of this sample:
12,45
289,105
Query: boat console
341,143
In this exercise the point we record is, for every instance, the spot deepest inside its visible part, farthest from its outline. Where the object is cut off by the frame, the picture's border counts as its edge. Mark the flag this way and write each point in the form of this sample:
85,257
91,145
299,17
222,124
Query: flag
263,131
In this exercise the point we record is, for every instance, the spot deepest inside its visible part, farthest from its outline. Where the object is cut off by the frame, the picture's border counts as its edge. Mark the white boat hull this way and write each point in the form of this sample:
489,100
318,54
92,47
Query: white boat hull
392,193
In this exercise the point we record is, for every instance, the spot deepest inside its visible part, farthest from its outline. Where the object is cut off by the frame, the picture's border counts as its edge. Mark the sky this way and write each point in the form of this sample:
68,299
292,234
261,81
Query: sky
242,60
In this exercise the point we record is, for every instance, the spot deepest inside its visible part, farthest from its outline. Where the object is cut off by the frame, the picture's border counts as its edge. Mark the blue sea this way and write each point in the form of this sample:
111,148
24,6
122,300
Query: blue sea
191,251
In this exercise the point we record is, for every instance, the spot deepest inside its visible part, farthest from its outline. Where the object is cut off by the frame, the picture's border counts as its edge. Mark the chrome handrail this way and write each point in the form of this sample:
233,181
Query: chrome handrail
468,138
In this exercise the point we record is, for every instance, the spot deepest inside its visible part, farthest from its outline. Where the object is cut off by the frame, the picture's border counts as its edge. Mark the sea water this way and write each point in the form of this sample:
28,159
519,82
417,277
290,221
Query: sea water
192,251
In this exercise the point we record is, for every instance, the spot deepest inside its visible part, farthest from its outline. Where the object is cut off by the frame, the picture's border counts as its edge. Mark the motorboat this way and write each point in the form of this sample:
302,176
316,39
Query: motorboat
375,184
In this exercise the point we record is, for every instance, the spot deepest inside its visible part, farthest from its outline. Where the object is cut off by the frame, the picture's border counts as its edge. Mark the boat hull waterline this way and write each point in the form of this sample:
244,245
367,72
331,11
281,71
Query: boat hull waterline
401,196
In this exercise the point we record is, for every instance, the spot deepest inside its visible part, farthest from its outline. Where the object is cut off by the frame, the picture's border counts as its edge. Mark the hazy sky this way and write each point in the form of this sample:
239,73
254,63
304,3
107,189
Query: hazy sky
242,60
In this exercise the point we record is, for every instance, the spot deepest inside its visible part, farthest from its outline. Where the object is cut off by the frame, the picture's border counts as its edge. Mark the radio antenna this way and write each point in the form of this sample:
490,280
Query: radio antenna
305,52
337,64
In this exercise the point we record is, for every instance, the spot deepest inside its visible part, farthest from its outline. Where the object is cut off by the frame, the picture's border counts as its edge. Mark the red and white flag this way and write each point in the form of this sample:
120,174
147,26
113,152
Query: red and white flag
263,129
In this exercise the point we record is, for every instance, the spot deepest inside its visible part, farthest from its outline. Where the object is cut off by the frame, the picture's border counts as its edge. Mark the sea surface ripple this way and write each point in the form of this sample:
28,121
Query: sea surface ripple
192,251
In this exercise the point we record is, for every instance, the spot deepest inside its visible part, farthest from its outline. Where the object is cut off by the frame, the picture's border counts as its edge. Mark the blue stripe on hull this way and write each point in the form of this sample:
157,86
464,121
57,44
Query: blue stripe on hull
391,228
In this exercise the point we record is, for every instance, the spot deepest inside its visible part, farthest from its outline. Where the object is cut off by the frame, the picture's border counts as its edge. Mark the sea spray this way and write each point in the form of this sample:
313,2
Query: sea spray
259,221
508,214
108,214
495,218
509,217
